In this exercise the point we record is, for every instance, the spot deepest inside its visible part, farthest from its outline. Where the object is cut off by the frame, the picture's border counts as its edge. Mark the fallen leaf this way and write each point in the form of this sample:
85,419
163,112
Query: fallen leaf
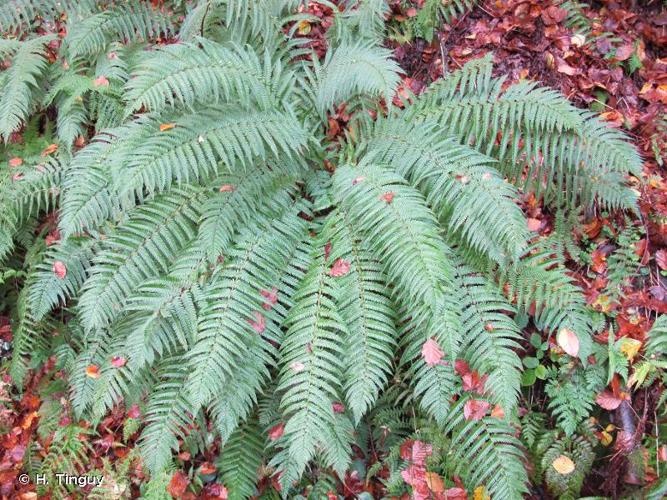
50,149
166,126
431,352
17,177
456,494
59,269
101,81
118,361
338,407
388,197
340,268
624,52
661,259
568,341
565,68
178,484
434,482
608,401
15,162
357,180
475,409
630,347
297,366
93,371
578,40
270,296
498,412
276,431
563,465
134,411
534,224
480,493
259,324
207,468
227,188
304,27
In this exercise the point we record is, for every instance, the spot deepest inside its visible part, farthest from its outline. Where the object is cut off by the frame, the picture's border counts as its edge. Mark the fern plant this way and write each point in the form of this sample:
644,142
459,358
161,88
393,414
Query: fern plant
212,270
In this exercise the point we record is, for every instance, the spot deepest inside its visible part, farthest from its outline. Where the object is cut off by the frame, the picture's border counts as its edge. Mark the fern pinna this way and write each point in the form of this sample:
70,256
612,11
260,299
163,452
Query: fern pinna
213,270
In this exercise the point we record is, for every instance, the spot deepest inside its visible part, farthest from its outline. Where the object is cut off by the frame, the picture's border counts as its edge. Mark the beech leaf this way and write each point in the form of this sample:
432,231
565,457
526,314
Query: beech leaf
568,341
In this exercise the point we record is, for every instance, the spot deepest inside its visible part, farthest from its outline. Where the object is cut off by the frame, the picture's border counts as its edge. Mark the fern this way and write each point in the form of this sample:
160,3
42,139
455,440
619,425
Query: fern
244,287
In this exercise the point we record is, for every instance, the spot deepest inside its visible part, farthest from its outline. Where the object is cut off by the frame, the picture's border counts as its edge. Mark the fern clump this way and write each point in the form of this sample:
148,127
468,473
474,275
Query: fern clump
212,270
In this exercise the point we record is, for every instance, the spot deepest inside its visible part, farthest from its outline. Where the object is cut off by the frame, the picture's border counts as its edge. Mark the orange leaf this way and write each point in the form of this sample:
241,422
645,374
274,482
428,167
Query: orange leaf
178,484
434,482
568,341
93,371
50,149
227,188
563,465
166,126
340,268
534,224
15,162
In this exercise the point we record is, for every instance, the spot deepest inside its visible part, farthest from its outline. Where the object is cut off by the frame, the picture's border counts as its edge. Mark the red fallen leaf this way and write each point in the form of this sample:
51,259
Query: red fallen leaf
331,495
475,409
608,401
93,371
17,177
166,126
59,269
15,162
17,453
553,15
207,468
415,451
340,268
498,412
388,197
276,431
50,149
456,494
338,407
52,237
565,68
624,52
327,250
431,352
461,367
411,12
270,296
101,81
259,325
568,341
134,411
661,259
178,484
215,490
227,188
473,382
357,180
118,361
662,453
534,224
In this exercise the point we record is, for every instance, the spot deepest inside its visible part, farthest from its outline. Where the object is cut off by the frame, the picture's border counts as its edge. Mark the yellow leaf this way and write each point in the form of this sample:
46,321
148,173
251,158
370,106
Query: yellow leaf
304,27
606,438
630,347
563,465
166,126
480,493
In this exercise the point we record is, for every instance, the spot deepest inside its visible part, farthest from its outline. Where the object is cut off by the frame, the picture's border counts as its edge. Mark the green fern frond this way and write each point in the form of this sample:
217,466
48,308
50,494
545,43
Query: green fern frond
240,459
354,70
487,453
91,35
20,84
139,250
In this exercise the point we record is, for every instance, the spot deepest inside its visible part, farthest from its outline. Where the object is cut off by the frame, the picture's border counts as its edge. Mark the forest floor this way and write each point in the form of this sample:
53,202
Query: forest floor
622,75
